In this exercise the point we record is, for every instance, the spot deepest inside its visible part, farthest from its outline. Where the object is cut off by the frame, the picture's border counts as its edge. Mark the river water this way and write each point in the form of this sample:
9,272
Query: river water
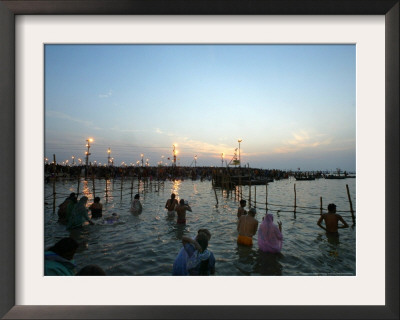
147,244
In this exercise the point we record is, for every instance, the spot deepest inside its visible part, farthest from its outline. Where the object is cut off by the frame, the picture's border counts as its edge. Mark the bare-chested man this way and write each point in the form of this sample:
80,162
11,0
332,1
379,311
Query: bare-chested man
181,211
171,205
247,227
241,211
331,220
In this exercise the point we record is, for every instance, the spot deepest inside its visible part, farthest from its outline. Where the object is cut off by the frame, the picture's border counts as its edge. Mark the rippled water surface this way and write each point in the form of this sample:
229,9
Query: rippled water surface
147,244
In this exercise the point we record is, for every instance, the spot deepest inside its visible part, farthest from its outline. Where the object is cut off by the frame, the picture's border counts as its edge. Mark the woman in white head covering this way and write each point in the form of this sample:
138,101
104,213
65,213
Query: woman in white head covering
79,215
269,235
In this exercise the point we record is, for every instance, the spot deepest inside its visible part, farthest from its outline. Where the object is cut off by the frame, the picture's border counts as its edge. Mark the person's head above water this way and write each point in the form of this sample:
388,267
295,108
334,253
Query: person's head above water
65,248
252,212
72,195
206,232
83,200
137,196
332,207
182,201
202,240
242,203
97,199
173,196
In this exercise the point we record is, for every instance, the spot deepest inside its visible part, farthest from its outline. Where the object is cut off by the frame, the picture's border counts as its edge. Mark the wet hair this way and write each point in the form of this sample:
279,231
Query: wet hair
202,240
72,195
137,196
205,231
65,247
182,201
97,199
243,202
173,196
91,270
252,211
331,207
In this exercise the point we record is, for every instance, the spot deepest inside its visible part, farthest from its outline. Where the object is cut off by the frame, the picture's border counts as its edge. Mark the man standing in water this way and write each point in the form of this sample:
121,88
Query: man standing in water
241,210
247,228
181,211
331,220
170,205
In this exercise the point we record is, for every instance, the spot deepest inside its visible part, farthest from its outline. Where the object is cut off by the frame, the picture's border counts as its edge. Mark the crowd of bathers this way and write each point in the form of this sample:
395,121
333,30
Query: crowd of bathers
194,258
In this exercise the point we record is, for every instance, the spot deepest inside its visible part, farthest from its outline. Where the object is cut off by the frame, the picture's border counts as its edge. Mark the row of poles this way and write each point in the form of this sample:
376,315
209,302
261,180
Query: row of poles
146,184
252,201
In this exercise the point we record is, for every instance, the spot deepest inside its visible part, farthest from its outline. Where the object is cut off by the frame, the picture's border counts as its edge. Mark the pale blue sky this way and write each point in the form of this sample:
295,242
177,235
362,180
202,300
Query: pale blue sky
293,105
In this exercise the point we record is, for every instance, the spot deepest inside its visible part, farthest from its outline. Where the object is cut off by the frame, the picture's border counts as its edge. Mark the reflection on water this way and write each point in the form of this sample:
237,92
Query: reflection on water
147,244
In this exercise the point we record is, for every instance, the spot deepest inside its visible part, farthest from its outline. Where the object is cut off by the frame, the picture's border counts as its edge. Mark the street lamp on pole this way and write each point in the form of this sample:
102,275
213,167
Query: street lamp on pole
222,159
87,154
195,159
88,148
109,156
174,153
239,140
142,158
73,160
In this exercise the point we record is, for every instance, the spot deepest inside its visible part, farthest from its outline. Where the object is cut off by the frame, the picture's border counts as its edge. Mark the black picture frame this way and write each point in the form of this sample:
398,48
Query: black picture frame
8,11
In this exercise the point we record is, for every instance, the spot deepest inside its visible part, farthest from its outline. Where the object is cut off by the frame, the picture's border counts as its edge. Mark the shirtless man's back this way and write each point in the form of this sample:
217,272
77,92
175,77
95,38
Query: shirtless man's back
247,227
181,211
331,220
170,205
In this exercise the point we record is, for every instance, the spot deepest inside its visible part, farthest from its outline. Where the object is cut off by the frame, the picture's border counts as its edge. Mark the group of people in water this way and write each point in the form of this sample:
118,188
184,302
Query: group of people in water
194,258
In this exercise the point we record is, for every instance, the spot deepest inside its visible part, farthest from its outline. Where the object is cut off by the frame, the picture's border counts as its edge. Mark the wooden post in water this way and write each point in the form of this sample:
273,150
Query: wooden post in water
79,181
122,182
295,198
54,183
106,190
255,196
94,188
249,194
351,205
320,208
216,197
131,187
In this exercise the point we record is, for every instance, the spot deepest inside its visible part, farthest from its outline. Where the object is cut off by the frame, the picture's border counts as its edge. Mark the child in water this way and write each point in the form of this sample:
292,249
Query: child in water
96,208
136,206
111,219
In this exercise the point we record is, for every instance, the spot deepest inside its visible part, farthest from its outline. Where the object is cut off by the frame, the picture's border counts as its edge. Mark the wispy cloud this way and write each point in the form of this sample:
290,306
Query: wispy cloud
106,95
303,140
61,115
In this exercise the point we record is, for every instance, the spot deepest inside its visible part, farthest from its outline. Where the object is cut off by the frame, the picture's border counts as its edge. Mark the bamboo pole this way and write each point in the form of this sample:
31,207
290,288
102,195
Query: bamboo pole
255,196
266,196
216,197
106,190
79,181
295,198
132,188
249,194
320,202
351,205
122,182
94,187
54,183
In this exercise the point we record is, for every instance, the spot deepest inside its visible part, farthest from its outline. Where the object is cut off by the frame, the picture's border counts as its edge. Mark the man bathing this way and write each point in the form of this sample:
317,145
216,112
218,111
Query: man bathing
181,211
170,205
241,211
331,220
247,227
